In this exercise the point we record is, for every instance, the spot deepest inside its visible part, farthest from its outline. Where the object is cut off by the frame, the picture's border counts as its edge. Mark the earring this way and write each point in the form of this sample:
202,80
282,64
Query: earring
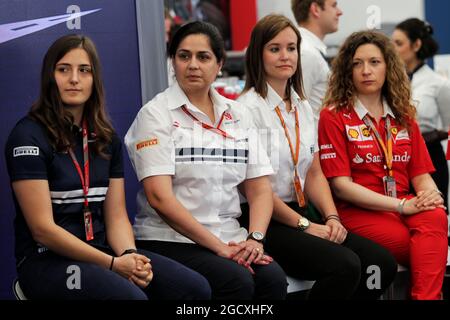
219,74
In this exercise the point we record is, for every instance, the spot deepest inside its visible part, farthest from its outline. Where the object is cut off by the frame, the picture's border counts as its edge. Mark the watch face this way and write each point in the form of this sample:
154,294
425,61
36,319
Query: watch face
303,223
257,235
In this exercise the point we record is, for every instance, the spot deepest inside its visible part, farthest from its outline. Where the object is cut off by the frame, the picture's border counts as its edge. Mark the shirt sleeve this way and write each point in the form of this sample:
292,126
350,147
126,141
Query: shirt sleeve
315,72
333,146
258,160
310,68
443,102
116,165
420,162
27,152
149,143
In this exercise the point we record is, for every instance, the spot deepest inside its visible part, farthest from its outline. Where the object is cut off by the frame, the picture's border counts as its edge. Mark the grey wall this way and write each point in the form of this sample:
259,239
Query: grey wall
152,47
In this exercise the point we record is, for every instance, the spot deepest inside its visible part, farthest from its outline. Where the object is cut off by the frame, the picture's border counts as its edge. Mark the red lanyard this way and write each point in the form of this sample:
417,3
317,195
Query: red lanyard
387,150
84,179
295,155
207,126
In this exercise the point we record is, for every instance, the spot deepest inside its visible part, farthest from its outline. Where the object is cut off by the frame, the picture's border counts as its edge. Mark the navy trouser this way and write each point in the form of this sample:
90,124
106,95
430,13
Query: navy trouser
47,276
228,279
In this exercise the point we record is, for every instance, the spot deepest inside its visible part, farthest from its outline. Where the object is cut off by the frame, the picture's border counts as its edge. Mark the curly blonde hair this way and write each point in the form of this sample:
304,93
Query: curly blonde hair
396,90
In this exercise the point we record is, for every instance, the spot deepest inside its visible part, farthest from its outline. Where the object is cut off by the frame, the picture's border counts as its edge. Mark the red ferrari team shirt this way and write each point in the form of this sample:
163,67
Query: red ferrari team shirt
347,148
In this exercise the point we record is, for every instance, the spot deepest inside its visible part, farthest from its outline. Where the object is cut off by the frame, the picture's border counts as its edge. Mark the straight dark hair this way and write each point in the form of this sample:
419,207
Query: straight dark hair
49,109
416,29
199,27
264,31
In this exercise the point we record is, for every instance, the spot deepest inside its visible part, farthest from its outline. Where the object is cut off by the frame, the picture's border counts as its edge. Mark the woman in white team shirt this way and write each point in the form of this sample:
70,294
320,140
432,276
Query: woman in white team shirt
324,252
414,42
192,148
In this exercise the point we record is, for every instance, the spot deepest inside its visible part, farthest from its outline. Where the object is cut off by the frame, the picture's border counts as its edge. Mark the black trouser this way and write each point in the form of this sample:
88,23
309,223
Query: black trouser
440,176
228,279
340,271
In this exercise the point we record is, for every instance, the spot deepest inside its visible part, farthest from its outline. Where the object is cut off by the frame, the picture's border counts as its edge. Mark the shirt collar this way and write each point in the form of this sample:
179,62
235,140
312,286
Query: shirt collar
177,98
361,110
274,100
314,40
417,68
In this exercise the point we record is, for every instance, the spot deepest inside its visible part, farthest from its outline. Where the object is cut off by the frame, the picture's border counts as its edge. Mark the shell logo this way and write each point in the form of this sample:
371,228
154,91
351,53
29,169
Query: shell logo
394,131
353,133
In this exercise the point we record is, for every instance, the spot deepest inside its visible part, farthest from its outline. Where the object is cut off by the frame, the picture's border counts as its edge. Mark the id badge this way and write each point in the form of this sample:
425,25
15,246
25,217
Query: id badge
298,191
390,188
88,227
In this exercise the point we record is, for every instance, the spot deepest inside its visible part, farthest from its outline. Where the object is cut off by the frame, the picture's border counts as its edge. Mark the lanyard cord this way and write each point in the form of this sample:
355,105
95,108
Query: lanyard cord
207,126
386,148
84,179
295,156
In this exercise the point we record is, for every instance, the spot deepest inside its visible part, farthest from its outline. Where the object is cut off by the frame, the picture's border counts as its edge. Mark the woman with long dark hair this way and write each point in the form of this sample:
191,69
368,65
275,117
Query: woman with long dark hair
319,250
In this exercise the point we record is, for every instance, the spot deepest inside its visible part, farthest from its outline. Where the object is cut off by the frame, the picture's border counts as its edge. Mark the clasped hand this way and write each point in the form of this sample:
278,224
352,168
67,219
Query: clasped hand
425,200
246,253
134,267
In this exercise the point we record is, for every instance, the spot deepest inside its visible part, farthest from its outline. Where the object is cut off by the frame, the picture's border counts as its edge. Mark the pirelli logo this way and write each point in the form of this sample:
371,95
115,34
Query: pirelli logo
25,151
146,144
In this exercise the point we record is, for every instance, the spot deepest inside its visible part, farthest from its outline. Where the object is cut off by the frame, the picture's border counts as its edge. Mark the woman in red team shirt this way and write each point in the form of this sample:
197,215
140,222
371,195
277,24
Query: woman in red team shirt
372,152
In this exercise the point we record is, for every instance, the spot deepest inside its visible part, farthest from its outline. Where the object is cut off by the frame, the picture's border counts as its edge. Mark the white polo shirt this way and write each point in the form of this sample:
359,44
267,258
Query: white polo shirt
206,168
274,139
432,95
315,70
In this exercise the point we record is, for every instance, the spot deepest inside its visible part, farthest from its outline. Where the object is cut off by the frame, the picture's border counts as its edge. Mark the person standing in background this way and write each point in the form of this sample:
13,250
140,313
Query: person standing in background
316,19
414,42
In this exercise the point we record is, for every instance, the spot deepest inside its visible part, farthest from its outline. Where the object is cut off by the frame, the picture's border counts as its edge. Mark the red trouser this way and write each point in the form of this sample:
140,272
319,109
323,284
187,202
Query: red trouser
418,242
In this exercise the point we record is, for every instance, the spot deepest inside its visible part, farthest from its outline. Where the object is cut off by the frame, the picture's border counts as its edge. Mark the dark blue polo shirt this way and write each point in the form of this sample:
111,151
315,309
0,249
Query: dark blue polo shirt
29,155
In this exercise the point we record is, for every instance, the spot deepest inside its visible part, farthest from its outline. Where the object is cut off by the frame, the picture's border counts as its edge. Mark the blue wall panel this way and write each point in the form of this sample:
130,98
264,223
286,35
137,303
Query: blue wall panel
437,14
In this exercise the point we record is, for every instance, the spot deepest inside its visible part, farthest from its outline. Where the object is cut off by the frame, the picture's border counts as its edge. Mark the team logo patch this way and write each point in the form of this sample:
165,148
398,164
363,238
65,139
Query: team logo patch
402,135
326,147
228,116
358,159
328,156
146,144
354,134
25,151
358,133
366,132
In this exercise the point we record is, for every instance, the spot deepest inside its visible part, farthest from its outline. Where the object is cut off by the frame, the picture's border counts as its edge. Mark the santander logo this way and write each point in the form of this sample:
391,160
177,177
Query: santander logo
358,159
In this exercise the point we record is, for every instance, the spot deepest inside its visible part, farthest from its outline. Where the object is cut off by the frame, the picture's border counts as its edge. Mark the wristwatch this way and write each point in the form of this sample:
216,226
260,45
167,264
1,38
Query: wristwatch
303,224
257,236
128,251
